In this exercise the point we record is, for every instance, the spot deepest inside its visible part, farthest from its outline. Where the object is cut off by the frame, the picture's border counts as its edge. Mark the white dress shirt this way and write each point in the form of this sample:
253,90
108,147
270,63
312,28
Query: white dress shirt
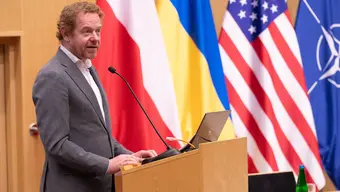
84,68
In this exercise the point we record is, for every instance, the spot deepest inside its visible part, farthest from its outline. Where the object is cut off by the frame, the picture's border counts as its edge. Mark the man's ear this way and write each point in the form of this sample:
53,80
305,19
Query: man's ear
64,34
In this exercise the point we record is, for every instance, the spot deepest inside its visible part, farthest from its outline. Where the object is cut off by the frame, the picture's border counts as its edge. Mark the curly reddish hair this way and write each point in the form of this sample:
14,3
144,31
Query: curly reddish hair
67,19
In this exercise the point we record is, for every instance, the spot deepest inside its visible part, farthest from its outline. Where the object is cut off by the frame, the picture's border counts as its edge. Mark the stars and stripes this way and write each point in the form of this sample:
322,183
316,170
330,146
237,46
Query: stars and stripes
266,88
254,16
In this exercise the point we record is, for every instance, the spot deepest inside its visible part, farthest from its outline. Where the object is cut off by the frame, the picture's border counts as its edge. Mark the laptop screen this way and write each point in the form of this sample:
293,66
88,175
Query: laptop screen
210,128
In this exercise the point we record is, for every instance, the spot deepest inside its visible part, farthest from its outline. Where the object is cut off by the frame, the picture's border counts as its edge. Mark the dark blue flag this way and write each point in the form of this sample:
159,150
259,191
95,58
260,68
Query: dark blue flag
318,32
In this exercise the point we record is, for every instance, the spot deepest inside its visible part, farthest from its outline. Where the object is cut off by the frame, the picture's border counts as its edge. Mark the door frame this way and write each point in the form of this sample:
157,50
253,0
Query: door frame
3,137
13,114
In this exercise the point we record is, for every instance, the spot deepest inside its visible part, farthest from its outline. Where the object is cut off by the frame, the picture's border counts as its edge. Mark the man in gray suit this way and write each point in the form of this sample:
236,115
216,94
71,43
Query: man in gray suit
73,113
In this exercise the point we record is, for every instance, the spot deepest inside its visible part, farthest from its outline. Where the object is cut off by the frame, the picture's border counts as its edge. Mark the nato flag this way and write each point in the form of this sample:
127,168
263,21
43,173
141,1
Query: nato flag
318,32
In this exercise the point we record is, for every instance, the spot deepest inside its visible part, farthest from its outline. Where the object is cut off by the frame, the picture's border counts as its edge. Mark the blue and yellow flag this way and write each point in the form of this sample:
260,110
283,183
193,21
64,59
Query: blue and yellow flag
192,47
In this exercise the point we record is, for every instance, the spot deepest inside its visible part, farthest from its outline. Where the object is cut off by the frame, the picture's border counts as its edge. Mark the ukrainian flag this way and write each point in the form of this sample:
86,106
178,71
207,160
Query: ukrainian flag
192,47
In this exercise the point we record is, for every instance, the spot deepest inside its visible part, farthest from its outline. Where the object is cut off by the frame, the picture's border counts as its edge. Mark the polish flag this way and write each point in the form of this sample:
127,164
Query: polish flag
132,42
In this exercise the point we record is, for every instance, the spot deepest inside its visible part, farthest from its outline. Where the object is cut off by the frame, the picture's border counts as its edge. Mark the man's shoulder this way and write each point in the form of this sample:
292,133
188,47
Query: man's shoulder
53,66
51,74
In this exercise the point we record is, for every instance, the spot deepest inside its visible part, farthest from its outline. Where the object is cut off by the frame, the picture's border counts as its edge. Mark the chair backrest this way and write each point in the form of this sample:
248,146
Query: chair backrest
269,182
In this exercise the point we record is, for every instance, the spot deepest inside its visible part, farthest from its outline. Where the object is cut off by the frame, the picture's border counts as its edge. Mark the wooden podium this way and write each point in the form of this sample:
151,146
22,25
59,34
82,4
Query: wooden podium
213,167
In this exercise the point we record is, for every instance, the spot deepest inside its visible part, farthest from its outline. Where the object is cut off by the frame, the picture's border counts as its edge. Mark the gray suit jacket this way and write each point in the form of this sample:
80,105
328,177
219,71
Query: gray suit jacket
77,141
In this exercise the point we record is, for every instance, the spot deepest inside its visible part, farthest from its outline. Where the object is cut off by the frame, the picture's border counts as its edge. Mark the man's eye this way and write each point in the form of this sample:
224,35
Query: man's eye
87,32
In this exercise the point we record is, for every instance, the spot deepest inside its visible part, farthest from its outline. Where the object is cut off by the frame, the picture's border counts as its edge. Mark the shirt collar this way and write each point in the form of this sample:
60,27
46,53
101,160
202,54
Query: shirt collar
85,65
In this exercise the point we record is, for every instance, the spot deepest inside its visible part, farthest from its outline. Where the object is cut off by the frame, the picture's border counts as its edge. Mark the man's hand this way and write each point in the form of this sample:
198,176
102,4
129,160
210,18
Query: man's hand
121,160
145,154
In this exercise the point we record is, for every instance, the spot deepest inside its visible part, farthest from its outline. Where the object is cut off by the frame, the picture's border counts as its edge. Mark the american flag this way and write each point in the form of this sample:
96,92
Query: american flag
267,89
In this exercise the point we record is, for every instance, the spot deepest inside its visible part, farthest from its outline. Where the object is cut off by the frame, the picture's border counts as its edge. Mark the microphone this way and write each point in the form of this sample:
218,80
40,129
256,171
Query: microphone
169,150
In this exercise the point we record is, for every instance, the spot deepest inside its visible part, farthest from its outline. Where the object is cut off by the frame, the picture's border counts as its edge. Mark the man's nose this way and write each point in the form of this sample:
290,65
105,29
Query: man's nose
95,36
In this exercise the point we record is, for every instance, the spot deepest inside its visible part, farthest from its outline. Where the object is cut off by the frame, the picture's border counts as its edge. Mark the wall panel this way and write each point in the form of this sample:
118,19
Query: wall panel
10,15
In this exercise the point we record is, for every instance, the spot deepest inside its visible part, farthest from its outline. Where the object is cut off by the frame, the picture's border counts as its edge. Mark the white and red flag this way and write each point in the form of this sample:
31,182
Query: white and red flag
132,43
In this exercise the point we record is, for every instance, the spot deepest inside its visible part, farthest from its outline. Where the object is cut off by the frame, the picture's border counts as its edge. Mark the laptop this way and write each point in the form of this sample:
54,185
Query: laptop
209,130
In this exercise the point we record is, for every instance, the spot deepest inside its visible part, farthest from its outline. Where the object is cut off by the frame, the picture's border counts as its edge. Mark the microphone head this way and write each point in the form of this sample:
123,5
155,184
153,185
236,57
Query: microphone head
112,70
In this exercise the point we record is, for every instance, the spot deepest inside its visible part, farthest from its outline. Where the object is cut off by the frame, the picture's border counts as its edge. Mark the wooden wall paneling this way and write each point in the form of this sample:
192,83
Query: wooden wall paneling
218,7
293,6
13,115
3,143
4,34
10,15
329,183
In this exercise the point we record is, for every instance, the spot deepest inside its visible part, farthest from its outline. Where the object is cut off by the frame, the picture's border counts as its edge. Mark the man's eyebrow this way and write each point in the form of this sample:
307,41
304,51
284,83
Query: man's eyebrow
89,27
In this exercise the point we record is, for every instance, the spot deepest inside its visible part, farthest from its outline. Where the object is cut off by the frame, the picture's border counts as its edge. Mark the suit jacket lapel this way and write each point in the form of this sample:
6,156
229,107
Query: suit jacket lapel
104,98
80,81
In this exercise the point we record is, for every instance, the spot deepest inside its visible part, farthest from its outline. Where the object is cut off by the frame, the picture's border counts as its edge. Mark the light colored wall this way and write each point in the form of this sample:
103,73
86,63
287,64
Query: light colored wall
10,15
